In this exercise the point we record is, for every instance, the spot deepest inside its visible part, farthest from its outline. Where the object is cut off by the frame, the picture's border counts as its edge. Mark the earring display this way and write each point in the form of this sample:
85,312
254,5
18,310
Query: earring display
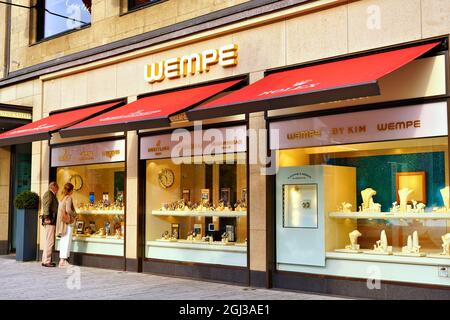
381,246
412,247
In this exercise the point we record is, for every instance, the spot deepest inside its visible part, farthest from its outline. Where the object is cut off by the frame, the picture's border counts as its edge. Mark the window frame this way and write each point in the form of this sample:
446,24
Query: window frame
40,24
131,7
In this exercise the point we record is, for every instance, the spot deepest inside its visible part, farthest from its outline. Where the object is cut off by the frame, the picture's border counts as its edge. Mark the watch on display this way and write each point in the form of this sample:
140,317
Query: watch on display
166,178
77,182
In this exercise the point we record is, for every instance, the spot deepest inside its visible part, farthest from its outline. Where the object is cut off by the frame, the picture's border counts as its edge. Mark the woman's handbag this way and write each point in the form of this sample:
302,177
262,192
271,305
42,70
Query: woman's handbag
65,217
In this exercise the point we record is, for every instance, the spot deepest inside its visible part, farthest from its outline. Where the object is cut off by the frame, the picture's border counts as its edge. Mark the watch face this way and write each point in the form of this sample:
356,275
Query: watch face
77,182
166,178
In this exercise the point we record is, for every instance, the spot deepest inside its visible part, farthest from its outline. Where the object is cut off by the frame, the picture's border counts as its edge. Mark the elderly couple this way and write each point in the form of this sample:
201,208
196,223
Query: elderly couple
54,220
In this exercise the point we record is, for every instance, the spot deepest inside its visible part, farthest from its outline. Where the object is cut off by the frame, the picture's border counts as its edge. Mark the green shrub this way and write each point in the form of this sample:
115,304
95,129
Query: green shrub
27,200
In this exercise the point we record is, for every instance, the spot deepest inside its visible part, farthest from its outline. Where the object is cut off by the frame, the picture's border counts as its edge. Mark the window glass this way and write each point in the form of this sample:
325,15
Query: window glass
392,190
99,202
300,206
196,211
132,4
59,16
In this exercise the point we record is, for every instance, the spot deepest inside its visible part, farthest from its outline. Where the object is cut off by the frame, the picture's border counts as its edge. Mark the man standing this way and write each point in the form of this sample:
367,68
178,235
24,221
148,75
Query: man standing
49,214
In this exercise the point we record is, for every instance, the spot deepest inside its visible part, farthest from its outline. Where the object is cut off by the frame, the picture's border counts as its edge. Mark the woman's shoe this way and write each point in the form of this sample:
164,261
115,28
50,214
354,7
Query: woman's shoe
64,264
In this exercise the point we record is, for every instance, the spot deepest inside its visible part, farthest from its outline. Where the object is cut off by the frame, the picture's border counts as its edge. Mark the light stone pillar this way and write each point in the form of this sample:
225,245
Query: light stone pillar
132,198
257,201
5,159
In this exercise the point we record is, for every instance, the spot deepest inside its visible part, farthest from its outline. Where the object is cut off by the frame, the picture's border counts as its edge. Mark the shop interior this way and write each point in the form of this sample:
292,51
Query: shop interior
99,202
395,203
199,204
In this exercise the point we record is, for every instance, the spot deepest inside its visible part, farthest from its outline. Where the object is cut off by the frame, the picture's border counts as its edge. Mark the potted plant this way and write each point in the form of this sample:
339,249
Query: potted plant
27,204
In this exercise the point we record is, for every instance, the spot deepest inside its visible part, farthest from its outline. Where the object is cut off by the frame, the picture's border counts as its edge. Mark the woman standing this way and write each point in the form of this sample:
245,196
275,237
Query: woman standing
65,223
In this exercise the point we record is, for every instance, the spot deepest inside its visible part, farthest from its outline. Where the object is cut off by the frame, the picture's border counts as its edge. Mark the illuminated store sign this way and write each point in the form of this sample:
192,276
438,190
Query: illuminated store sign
15,115
186,143
192,64
418,121
102,152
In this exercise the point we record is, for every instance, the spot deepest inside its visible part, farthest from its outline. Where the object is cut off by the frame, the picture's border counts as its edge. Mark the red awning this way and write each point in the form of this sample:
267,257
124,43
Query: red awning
149,112
42,129
344,79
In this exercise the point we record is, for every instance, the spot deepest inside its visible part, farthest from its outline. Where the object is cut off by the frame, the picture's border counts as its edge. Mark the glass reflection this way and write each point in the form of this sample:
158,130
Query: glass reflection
64,15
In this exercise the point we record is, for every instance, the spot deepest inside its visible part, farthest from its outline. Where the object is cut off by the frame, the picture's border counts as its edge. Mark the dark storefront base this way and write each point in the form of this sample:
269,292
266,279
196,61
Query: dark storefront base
3,247
91,260
217,273
351,287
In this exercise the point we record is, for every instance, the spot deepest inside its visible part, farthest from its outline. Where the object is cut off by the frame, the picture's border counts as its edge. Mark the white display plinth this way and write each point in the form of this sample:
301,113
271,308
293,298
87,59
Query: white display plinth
93,245
175,213
198,251
421,270
390,215
101,212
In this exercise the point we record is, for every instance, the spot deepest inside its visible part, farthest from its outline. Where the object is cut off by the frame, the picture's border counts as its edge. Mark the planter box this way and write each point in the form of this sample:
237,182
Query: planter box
26,234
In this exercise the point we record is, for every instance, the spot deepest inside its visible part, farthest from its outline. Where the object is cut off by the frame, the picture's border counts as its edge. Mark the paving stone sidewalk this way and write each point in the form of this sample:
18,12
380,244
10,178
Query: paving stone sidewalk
31,281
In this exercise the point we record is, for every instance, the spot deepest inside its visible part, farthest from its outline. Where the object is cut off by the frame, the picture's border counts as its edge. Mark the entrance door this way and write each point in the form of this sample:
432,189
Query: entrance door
20,182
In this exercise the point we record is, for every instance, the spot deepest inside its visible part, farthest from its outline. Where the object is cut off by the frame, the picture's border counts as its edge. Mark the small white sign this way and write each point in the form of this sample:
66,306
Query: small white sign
182,142
418,121
101,152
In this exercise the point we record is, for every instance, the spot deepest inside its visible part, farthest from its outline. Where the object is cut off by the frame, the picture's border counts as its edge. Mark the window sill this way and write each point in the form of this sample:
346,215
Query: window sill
141,7
58,35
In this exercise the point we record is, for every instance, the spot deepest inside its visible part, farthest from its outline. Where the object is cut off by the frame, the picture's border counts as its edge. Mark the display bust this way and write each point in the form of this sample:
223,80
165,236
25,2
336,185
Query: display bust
403,195
445,193
445,248
446,245
381,246
354,246
368,204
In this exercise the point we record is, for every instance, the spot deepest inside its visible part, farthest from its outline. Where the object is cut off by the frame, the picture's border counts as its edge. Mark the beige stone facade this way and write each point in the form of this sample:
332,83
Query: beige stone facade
299,34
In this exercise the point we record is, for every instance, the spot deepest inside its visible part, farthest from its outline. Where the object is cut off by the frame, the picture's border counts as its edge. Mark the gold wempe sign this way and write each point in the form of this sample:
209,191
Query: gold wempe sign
192,64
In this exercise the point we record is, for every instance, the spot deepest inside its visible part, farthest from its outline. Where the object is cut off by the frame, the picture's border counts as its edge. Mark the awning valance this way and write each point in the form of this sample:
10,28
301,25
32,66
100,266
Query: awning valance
149,112
43,128
326,82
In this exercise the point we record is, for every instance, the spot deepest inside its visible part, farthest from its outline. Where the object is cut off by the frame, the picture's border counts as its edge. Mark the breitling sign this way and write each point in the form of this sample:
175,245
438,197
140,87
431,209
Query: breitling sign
196,63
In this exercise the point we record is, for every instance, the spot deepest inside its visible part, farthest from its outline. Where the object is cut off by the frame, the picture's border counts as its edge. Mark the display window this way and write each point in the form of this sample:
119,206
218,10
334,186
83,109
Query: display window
196,207
98,196
344,207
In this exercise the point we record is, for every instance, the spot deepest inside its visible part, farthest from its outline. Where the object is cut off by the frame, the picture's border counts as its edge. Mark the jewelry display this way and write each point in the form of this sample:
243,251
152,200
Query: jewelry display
395,207
354,246
381,246
100,233
412,247
445,248
445,194
101,206
205,205
416,207
446,245
88,231
240,205
168,236
403,195
368,205
345,207
225,237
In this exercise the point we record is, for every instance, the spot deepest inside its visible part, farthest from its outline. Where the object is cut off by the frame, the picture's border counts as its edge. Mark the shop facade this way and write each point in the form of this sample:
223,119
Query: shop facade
148,203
